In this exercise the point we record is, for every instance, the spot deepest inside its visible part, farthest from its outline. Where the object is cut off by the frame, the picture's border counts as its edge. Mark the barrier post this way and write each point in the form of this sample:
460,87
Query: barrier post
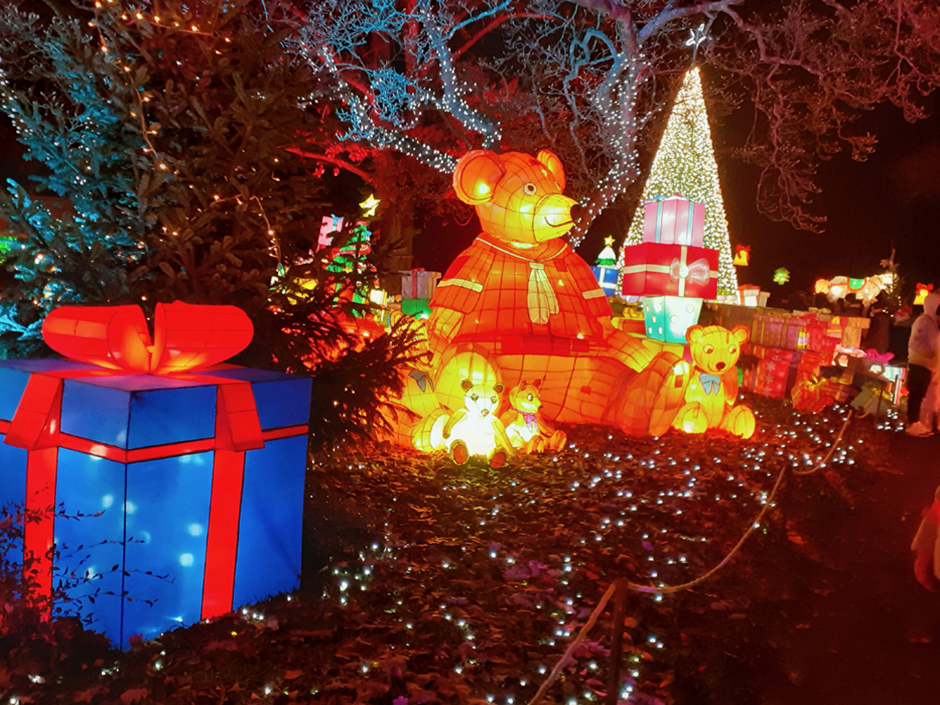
616,644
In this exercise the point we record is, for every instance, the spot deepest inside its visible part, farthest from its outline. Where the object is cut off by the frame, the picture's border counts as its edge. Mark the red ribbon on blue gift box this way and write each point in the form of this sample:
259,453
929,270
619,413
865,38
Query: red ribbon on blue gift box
116,338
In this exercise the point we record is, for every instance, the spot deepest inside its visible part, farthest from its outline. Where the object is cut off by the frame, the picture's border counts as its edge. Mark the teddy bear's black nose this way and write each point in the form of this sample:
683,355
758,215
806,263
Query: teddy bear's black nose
575,211
720,366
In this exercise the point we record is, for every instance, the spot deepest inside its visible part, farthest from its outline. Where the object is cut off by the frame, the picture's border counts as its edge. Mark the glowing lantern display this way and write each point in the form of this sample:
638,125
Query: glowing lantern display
520,301
369,206
331,224
605,268
749,295
713,385
685,163
866,290
519,304
524,424
202,463
781,275
922,291
117,337
692,398
742,255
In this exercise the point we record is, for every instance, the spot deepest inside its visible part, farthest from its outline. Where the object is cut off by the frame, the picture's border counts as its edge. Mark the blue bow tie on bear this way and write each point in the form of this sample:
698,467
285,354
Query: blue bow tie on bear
710,383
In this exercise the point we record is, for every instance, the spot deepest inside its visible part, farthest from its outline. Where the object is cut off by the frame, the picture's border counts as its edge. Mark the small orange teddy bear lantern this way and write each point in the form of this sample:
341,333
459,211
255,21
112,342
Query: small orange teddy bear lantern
712,384
689,397
520,300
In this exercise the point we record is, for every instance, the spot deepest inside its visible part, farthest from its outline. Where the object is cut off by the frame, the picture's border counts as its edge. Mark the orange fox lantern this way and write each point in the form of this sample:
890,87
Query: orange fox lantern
519,303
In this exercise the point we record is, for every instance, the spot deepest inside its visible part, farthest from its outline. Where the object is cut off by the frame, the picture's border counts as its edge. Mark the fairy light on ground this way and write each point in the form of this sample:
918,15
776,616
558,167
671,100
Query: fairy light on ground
616,525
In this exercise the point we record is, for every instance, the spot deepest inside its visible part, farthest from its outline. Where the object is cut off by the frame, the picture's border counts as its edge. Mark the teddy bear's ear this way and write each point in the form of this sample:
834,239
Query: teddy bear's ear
741,333
694,333
537,383
476,176
466,385
553,164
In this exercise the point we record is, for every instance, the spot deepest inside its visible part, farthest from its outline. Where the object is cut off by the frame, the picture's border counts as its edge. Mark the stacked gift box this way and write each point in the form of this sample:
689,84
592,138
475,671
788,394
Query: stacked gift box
814,394
750,295
417,288
791,330
875,399
671,269
778,370
793,348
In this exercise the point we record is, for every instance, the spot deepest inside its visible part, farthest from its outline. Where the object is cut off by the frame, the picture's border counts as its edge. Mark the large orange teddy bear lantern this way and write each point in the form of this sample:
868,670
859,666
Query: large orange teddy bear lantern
519,303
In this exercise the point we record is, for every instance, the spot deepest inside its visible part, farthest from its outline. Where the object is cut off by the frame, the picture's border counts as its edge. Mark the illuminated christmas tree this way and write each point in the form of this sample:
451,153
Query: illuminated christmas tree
685,164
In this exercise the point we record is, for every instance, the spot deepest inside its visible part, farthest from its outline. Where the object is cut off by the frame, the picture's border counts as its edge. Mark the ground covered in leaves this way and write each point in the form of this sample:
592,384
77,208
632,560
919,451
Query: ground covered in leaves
430,583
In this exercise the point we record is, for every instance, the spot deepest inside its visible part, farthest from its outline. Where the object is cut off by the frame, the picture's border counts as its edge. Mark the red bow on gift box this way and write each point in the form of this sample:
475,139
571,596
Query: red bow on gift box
185,337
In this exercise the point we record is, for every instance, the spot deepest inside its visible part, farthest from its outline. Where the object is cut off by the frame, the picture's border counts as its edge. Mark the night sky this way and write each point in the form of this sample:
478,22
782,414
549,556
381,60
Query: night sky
892,199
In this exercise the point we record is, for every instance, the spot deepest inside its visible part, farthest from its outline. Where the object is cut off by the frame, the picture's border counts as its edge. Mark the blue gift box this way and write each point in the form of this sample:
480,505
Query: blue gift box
607,277
669,317
184,514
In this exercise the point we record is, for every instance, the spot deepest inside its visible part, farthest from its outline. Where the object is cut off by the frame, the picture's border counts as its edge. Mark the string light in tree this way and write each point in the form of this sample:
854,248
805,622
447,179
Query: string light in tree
685,163
383,104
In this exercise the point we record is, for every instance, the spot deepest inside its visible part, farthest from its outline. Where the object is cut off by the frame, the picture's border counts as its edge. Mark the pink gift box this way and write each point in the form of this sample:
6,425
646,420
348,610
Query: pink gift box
655,269
674,221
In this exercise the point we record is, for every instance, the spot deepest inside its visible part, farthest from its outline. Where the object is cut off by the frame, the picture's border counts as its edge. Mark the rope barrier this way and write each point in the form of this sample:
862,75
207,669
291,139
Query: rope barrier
553,676
556,671
754,525
831,450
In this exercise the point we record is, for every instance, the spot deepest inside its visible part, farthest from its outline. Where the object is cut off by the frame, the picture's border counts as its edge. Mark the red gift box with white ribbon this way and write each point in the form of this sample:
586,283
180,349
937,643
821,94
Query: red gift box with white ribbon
655,269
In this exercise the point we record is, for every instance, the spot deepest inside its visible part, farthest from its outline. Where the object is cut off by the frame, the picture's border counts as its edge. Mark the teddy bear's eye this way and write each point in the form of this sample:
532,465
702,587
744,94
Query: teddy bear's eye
529,397
529,189
732,349
709,349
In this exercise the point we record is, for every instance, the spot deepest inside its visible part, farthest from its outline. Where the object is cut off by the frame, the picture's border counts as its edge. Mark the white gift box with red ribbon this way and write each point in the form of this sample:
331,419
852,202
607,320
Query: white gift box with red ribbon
418,283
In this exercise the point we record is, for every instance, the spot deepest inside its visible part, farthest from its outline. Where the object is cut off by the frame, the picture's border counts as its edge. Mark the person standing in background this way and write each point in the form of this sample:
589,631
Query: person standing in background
922,360
878,336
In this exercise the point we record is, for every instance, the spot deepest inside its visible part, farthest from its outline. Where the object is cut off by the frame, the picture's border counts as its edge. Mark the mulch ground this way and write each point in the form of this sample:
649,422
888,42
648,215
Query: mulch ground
429,583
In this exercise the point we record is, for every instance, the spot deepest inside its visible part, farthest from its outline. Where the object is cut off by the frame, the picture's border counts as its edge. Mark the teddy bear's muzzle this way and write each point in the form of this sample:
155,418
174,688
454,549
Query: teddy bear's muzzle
553,216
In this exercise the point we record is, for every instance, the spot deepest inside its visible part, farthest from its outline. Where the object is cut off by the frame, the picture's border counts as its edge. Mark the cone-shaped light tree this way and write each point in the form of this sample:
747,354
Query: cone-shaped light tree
685,164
